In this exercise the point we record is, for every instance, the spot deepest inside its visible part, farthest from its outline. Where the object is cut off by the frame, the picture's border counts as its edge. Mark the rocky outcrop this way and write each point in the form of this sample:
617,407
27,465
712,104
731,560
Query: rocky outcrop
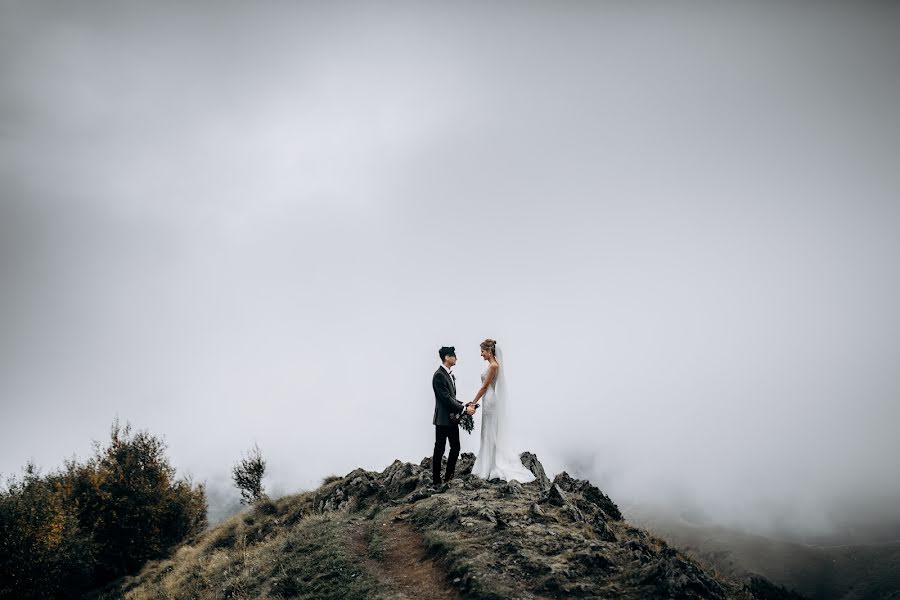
532,463
589,495
353,491
464,464
559,538
670,576
552,538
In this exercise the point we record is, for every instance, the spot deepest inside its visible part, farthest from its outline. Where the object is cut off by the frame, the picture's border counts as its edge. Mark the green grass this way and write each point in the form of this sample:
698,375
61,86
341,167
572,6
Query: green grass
376,543
257,554
316,564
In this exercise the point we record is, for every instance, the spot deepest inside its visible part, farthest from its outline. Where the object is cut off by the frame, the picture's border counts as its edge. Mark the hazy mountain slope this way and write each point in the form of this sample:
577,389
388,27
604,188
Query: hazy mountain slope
384,535
847,572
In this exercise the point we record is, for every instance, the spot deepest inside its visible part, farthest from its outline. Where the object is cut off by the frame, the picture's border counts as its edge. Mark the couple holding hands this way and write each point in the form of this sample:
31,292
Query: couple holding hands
494,460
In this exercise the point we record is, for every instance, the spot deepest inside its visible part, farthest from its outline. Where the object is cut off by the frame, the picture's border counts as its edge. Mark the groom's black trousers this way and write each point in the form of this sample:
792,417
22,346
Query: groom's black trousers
441,434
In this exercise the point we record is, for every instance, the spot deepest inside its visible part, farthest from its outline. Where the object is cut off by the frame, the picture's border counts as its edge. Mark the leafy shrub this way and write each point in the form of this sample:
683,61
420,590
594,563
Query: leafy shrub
43,553
89,523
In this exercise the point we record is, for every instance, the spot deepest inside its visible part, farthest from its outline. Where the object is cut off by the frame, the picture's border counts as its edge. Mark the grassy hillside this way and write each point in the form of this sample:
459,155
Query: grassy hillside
384,535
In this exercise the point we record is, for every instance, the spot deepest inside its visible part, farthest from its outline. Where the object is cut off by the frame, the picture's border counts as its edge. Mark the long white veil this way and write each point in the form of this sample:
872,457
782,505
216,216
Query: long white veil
501,398
507,464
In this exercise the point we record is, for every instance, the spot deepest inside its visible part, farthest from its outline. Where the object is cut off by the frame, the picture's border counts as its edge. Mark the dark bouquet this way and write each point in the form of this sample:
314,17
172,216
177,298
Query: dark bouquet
467,422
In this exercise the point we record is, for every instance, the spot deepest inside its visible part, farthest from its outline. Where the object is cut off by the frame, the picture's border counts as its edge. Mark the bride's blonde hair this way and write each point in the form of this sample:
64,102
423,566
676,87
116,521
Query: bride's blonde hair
491,345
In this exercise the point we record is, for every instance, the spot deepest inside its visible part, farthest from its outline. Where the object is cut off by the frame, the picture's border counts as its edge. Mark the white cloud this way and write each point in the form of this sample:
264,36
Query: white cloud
259,225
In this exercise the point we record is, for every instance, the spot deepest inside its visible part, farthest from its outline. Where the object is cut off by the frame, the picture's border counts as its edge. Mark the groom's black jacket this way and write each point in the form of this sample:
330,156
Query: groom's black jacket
445,402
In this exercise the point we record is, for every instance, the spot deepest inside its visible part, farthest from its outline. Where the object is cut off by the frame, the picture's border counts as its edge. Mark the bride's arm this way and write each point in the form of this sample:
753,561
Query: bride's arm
491,375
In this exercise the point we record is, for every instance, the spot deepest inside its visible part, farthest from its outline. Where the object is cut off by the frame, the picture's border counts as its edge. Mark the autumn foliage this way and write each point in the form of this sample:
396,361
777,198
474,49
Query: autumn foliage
91,522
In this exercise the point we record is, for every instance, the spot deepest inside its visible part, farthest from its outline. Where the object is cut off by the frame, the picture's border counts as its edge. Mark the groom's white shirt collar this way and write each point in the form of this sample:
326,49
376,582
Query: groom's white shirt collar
446,369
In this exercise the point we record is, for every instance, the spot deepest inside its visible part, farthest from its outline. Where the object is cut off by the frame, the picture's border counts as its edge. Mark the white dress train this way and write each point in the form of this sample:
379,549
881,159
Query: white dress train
495,459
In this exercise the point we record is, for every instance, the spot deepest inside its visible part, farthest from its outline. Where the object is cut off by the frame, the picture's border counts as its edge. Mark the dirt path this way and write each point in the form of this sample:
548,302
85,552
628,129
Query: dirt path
393,551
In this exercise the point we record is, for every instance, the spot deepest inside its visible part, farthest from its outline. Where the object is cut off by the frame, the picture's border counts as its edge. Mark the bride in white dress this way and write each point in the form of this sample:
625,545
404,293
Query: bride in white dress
495,458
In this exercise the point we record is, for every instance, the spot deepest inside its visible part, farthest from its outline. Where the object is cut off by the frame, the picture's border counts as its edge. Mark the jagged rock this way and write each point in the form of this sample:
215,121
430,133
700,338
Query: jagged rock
555,496
336,500
532,463
404,479
537,513
602,529
592,561
355,487
673,577
571,511
566,481
590,493
639,550
464,464
398,471
511,488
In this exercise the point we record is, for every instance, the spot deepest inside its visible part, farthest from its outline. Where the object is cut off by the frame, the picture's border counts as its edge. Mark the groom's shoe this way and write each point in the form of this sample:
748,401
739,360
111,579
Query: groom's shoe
438,489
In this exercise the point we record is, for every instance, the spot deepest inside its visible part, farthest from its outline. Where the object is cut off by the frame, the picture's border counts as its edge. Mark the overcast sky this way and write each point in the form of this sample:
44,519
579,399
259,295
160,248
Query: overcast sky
257,222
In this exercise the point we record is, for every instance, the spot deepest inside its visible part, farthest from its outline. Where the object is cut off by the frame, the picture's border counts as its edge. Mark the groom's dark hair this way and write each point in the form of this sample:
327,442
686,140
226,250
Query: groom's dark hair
446,351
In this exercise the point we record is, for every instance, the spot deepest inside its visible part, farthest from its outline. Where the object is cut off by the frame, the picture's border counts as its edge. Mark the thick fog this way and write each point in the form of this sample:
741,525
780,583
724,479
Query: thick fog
258,222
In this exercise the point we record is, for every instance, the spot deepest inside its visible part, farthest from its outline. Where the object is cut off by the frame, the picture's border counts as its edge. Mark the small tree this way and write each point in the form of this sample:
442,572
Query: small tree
132,503
248,474
88,523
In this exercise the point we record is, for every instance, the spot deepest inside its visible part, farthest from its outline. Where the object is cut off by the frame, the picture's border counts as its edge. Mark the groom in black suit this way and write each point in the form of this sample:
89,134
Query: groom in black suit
447,411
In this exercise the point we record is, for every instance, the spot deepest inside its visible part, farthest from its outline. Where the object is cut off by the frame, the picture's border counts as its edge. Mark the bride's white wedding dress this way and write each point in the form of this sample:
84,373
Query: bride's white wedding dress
495,459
